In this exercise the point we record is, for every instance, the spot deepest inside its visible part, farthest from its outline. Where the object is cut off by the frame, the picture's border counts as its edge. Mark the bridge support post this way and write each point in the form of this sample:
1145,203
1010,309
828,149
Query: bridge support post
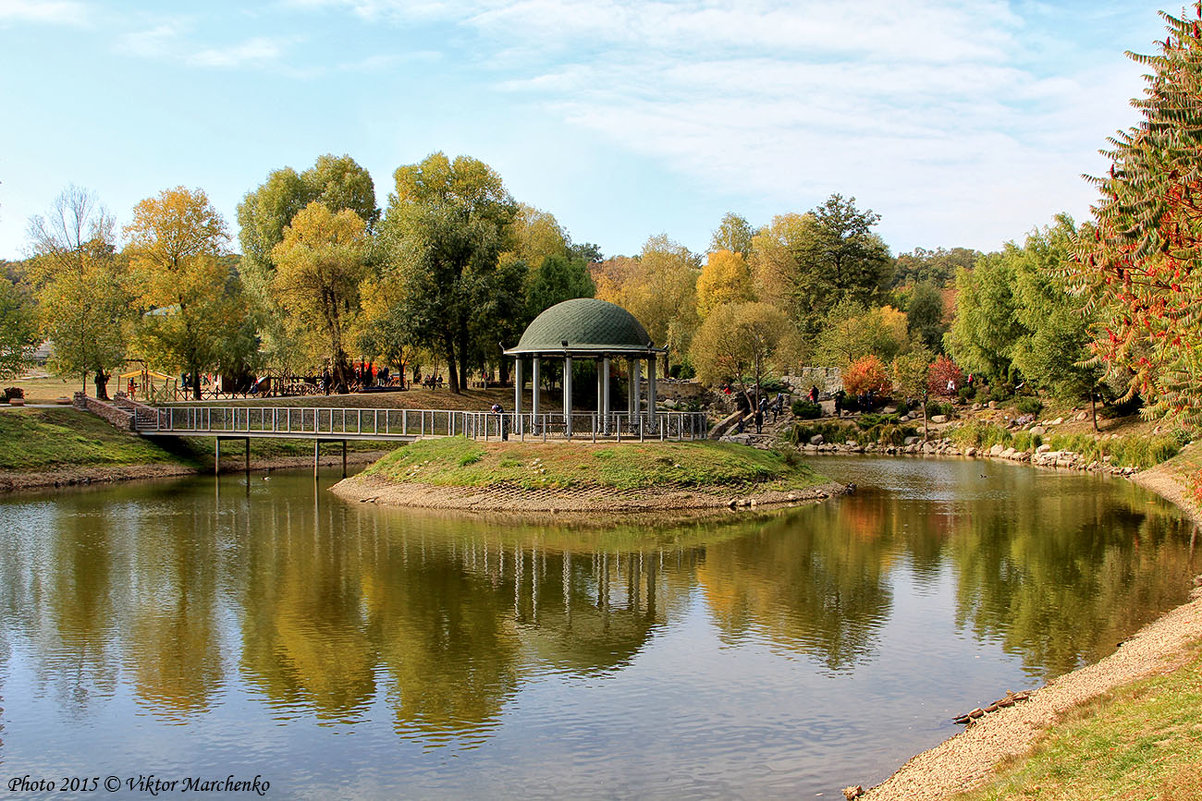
248,456
217,456
344,458
316,455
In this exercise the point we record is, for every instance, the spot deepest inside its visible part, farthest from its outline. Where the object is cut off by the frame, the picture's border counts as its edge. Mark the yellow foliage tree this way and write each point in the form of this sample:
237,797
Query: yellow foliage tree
319,267
725,278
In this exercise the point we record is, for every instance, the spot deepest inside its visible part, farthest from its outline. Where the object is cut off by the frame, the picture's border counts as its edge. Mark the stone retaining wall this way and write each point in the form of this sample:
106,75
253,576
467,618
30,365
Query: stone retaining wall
117,417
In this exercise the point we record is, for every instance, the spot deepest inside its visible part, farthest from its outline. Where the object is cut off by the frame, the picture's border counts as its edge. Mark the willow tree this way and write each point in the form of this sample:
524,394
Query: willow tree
1139,264
319,267
17,331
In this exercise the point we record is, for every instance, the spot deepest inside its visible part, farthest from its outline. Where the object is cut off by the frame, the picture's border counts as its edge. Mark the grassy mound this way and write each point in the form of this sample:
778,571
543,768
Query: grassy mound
455,461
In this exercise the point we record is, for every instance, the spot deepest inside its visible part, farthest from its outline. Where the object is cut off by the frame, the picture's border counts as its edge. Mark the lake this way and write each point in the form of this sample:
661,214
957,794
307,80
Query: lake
203,629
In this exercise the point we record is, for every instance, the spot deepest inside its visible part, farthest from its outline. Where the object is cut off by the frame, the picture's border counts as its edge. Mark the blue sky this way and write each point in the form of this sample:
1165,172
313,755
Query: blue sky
961,123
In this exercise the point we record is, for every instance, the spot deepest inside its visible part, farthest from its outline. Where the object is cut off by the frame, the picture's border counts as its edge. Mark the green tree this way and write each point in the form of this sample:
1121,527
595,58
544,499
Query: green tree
446,226
910,376
734,233
807,264
924,315
18,333
193,296
737,341
558,278
936,267
339,183
986,325
79,284
319,266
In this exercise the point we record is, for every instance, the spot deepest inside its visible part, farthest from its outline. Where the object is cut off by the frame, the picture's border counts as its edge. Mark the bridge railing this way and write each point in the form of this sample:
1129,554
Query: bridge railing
587,425
406,423
309,420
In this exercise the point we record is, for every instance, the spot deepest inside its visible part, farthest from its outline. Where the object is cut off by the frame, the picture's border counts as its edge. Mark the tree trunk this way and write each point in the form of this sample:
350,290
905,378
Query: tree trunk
452,372
1093,409
101,380
195,376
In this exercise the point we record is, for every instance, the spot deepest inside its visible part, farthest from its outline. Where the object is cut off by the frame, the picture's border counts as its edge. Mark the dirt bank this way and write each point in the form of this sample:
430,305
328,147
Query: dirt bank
506,498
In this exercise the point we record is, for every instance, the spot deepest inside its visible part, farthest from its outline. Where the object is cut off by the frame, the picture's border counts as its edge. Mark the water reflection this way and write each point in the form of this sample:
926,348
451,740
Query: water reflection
298,609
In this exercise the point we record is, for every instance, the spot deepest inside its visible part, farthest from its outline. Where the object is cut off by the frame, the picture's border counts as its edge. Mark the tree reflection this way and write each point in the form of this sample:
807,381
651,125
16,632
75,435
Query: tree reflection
814,582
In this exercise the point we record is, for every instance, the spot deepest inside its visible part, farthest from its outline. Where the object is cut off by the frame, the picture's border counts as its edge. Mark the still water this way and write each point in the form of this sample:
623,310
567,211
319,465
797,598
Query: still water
265,628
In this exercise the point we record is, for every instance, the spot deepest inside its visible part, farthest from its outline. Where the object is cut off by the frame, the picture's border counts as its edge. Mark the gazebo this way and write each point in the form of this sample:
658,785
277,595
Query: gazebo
588,328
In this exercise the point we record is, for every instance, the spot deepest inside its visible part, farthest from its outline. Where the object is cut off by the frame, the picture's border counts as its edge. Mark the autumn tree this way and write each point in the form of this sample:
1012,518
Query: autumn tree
659,288
944,377
444,231
79,285
192,294
18,333
1138,264
738,341
725,278
852,331
319,266
338,182
867,374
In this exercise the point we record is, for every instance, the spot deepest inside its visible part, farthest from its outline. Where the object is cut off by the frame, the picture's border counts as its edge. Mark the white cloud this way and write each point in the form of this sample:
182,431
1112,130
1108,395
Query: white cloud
169,41
56,12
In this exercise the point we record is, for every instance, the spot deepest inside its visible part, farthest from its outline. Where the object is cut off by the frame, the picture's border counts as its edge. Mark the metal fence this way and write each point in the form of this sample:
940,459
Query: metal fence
417,423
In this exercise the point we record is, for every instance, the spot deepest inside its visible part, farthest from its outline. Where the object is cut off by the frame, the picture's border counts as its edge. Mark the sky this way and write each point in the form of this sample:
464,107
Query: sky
962,123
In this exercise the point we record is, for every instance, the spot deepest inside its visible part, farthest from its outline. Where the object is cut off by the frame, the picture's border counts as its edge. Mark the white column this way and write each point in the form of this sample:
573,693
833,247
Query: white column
651,370
567,395
535,382
630,388
517,394
600,397
605,392
637,391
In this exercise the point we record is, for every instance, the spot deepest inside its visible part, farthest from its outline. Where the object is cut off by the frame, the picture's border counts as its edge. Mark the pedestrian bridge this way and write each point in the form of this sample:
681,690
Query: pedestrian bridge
407,425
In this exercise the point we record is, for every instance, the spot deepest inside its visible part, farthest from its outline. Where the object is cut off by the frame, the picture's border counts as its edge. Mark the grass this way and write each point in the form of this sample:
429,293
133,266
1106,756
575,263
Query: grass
1142,451
456,461
1141,741
36,439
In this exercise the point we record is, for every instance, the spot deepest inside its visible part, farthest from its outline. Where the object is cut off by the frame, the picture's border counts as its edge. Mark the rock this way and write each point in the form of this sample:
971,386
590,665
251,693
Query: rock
852,793
905,418
992,404
1038,430
1083,416
996,450
1008,453
910,440
1056,422
971,451
817,439
976,407
939,418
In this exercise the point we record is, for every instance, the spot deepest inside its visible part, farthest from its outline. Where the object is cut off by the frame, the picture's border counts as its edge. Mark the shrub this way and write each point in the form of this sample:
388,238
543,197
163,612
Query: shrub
941,371
806,410
1001,393
682,371
935,407
868,421
903,408
13,392
867,374
1031,406
771,386
966,394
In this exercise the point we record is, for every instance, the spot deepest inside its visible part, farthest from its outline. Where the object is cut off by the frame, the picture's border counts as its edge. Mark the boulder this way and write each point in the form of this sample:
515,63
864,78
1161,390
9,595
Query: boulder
996,450
910,440
817,439
1008,453
1056,422
1038,430
992,404
939,418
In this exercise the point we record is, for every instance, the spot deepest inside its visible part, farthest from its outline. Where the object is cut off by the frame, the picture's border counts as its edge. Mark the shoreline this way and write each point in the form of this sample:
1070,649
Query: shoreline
968,758
588,500
14,481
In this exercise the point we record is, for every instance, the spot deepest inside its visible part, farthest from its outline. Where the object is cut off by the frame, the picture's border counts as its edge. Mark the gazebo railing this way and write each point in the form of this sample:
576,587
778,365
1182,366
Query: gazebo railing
587,425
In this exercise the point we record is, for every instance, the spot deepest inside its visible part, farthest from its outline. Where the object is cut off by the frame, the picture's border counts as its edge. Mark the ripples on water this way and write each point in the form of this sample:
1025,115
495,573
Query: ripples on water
346,650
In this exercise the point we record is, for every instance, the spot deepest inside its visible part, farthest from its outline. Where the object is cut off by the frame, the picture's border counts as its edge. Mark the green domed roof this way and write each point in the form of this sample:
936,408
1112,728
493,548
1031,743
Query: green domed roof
585,324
